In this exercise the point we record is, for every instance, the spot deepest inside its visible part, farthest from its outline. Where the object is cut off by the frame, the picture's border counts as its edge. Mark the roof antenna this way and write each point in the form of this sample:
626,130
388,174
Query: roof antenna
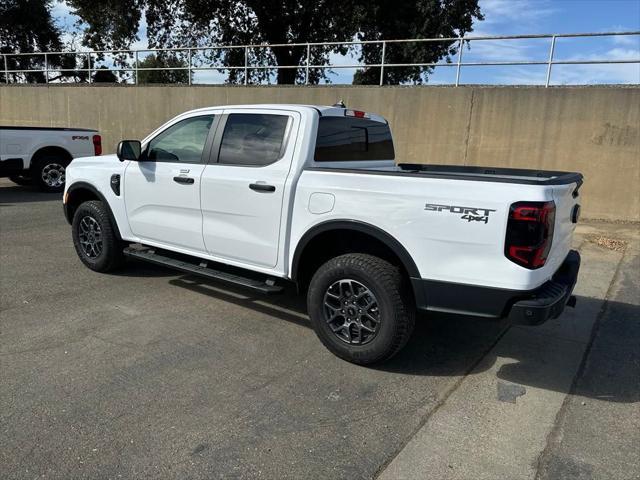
340,104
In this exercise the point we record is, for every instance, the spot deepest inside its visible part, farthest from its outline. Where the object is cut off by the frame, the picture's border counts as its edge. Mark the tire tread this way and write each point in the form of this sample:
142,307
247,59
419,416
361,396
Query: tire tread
388,275
112,246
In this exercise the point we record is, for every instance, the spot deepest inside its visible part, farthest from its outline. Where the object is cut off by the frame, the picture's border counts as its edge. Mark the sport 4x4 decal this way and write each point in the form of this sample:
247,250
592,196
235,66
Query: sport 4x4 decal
470,214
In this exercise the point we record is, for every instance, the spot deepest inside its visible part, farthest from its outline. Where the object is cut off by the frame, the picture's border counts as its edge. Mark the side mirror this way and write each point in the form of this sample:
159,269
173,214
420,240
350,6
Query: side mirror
129,150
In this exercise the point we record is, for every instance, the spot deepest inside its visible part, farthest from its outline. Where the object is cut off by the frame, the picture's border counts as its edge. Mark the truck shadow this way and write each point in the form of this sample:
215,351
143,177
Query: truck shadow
13,194
447,345
536,357
289,306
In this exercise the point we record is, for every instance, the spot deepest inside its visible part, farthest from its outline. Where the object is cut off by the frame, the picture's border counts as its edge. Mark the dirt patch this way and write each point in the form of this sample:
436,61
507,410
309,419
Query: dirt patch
606,242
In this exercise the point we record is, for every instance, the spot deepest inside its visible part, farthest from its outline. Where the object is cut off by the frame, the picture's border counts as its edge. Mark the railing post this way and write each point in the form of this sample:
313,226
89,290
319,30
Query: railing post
246,65
89,66
189,65
135,65
306,77
384,49
460,45
550,62
46,69
6,70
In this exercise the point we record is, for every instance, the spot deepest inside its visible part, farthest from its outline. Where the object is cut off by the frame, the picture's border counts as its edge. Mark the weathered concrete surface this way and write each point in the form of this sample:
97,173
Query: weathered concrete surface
594,130
605,405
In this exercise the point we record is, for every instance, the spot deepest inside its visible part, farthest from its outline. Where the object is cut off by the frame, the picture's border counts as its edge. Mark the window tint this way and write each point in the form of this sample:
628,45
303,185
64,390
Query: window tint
252,139
348,139
182,142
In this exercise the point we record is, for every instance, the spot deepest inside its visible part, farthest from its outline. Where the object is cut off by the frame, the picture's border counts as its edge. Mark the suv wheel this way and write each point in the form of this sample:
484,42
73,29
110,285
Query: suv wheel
49,173
360,308
94,239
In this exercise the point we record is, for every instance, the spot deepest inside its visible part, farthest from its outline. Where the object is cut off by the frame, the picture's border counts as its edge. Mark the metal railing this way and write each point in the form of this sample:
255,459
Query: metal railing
306,66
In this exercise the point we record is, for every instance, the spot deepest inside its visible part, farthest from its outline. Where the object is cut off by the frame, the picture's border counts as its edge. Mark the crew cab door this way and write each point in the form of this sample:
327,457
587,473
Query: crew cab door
162,190
243,185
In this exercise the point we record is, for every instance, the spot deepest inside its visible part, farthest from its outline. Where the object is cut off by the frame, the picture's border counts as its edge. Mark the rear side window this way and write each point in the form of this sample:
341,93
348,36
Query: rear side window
342,139
252,139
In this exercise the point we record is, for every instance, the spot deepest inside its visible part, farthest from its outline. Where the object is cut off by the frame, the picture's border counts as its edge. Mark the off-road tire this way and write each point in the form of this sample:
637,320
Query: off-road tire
110,257
395,309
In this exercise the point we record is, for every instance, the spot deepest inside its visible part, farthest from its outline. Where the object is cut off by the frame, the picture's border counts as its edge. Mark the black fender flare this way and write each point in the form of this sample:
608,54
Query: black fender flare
358,226
87,186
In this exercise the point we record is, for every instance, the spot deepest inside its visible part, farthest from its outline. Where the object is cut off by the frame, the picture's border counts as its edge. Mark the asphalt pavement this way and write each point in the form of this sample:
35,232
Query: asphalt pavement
149,373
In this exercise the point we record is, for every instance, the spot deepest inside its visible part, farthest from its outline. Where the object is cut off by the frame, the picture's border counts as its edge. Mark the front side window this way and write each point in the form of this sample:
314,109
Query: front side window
345,139
252,139
182,142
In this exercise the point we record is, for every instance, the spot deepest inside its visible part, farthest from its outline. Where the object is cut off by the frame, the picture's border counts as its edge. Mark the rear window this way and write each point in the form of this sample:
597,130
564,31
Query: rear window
342,139
252,139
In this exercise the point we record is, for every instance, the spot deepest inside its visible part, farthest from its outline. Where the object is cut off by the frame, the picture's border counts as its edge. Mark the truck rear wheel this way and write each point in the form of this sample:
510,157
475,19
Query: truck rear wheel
49,172
360,308
94,239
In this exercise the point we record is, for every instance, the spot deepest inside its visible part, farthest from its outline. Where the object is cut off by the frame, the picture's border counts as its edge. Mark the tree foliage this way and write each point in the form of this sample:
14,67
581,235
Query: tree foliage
114,24
389,19
162,76
174,23
26,26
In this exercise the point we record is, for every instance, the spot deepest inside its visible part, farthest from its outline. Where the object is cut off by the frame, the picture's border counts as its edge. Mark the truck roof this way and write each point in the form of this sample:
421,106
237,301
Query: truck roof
323,110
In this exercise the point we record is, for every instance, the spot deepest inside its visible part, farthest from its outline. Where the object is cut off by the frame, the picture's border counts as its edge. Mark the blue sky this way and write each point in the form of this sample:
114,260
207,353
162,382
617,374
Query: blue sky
518,17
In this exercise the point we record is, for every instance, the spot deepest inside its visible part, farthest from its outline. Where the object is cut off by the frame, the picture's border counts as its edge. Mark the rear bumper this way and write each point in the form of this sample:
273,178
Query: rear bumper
529,307
549,300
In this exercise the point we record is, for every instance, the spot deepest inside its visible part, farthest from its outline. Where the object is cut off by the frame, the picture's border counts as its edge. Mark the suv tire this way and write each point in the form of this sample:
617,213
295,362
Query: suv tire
360,308
94,239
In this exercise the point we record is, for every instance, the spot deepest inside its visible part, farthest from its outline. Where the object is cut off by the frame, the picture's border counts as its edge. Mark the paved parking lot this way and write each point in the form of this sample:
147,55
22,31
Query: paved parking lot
152,374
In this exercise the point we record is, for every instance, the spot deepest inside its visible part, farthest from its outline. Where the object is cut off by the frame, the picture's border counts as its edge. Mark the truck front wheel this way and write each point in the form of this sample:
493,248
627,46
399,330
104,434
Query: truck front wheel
94,239
360,308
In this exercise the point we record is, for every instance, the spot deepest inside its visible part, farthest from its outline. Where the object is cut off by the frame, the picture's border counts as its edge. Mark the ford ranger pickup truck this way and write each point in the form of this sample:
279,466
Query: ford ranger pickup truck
260,195
40,155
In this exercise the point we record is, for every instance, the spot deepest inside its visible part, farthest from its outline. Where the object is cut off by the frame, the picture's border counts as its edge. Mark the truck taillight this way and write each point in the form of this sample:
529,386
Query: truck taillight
97,145
530,233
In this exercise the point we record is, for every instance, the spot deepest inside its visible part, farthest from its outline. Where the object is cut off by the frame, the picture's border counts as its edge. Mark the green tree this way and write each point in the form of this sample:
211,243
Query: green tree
162,76
104,75
389,20
26,26
172,23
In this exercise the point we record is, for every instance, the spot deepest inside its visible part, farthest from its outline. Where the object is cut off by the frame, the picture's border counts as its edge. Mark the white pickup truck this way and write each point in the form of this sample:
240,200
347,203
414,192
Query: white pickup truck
40,155
260,195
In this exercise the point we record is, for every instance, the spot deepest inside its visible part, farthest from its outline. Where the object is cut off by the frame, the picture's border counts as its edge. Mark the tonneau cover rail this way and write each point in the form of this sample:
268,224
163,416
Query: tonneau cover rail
471,173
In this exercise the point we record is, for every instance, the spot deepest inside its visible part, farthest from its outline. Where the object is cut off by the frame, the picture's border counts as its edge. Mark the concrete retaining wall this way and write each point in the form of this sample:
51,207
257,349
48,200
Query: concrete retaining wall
594,130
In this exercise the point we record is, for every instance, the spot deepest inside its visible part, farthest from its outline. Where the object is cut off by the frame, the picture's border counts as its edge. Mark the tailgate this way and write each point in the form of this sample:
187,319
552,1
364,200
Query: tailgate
566,198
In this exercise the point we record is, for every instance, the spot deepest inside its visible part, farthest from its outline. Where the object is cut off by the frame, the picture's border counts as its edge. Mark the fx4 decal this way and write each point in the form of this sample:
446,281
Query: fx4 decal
470,214
80,137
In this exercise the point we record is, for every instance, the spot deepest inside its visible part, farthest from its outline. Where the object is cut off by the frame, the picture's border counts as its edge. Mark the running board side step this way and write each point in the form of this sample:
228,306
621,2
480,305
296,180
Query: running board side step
267,287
